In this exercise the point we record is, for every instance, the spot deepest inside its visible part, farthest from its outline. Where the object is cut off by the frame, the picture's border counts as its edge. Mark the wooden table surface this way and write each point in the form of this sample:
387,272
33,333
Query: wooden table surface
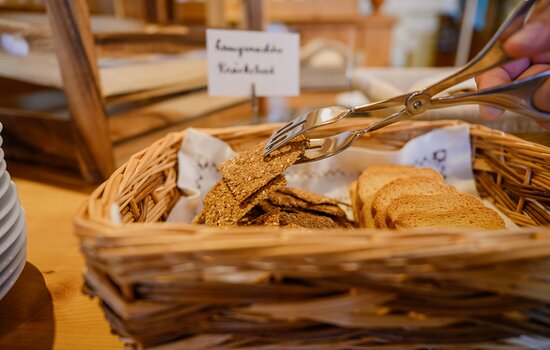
46,308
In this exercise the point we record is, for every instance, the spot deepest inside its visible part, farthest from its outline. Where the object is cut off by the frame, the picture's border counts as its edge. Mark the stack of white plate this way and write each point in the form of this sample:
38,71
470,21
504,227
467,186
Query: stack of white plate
13,240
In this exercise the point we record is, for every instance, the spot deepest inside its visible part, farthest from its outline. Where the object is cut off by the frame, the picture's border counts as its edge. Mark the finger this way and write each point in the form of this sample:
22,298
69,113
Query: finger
534,37
515,68
493,77
534,69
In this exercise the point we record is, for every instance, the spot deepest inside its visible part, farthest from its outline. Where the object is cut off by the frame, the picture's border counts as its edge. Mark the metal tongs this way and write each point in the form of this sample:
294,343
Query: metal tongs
515,96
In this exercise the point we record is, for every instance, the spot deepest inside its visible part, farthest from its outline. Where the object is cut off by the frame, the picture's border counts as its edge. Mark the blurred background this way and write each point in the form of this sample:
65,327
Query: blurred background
420,33
86,83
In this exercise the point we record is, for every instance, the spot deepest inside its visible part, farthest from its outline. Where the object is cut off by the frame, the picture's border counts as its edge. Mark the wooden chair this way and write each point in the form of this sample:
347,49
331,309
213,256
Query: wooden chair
112,111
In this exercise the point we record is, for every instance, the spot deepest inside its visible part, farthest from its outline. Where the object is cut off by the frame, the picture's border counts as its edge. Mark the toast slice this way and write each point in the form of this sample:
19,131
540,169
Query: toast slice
414,185
374,178
430,204
476,218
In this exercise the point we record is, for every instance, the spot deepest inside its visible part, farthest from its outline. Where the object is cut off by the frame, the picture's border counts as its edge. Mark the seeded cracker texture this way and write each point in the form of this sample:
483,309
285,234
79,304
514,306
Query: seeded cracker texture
252,215
280,209
283,200
310,197
307,220
271,218
221,208
250,170
251,192
266,206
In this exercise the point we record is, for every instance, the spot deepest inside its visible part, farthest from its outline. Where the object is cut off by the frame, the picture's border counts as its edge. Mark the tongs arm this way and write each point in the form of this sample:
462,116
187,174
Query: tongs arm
516,96
492,55
392,110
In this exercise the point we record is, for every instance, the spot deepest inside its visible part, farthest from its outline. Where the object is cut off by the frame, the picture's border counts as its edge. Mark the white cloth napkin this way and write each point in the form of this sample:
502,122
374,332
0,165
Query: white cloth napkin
199,158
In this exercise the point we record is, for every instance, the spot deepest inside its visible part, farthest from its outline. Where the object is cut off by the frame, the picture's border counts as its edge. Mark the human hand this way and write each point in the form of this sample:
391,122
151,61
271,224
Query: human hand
532,42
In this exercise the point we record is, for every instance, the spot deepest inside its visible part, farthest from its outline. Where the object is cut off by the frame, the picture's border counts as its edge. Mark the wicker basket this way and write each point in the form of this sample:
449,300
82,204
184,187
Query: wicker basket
182,286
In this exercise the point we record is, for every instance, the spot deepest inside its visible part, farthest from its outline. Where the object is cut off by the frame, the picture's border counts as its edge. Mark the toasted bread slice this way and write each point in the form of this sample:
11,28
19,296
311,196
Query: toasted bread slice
374,178
477,218
431,204
420,185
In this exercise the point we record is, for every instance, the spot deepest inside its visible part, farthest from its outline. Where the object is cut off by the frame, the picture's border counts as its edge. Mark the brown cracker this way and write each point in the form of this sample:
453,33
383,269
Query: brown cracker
268,219
250,170
283,200
252,215
266,206
344,222
221,208
310,197
199,219
307,220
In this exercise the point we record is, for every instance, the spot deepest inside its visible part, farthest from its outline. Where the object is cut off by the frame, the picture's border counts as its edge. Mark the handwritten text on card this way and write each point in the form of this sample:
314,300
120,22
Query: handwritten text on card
237,59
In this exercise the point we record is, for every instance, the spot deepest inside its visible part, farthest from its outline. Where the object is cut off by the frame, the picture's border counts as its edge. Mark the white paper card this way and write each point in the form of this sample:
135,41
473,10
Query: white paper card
238,59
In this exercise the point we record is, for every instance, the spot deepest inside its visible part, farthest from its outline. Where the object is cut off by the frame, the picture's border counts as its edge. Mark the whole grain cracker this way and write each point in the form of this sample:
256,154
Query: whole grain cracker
268,219
250,170
283,200
221,208
343,222
252,215
266,206
310,197
307,220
